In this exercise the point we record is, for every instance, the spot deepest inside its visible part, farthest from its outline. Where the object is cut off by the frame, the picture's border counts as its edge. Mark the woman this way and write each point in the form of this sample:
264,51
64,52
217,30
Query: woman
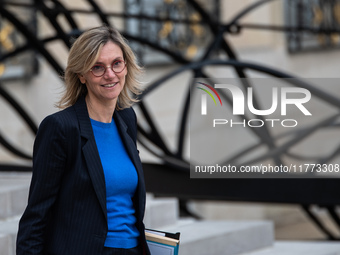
87,194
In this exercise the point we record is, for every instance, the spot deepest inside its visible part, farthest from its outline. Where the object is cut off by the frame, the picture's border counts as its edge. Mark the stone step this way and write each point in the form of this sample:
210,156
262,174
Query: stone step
13,193
13,199
223,237
300,248
160,212
8,232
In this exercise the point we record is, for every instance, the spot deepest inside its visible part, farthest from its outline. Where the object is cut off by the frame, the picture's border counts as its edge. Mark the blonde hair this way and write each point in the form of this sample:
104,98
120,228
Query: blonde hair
82,56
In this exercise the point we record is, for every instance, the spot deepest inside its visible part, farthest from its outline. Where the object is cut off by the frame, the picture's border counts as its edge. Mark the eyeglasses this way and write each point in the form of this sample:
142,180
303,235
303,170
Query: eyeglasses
99,70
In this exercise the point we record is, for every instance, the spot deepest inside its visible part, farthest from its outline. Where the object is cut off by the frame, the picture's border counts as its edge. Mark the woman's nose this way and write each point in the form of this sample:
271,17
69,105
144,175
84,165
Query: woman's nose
109,72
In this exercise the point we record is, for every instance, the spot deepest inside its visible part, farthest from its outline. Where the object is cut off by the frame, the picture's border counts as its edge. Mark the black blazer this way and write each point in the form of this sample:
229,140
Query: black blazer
66,211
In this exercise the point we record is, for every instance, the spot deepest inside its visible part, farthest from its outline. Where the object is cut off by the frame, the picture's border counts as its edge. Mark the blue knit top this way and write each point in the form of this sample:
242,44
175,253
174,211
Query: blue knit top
121,181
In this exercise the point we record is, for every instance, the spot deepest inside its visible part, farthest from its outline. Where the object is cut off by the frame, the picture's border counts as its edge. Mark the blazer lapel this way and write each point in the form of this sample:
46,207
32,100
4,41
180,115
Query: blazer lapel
92,157
133,153
127,140
91,154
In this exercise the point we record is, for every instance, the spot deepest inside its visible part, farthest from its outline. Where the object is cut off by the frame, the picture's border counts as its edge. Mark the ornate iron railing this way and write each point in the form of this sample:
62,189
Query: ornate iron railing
175,166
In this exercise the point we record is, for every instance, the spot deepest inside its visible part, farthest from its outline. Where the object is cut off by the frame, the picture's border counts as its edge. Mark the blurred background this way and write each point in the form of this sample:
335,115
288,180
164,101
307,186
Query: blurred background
175,41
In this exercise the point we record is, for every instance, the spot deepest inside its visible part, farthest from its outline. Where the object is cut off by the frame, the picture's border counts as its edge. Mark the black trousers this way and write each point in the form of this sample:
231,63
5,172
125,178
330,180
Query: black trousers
119,251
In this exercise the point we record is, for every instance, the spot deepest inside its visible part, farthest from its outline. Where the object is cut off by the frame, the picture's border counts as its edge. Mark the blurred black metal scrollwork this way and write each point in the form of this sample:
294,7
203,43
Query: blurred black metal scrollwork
190,34
324,15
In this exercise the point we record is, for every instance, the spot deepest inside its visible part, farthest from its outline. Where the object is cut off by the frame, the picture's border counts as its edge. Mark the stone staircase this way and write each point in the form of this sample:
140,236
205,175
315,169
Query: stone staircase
197,237
227,237
13,199
299,248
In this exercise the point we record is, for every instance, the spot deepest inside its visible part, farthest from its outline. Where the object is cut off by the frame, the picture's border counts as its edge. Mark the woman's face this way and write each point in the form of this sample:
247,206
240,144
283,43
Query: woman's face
106,89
